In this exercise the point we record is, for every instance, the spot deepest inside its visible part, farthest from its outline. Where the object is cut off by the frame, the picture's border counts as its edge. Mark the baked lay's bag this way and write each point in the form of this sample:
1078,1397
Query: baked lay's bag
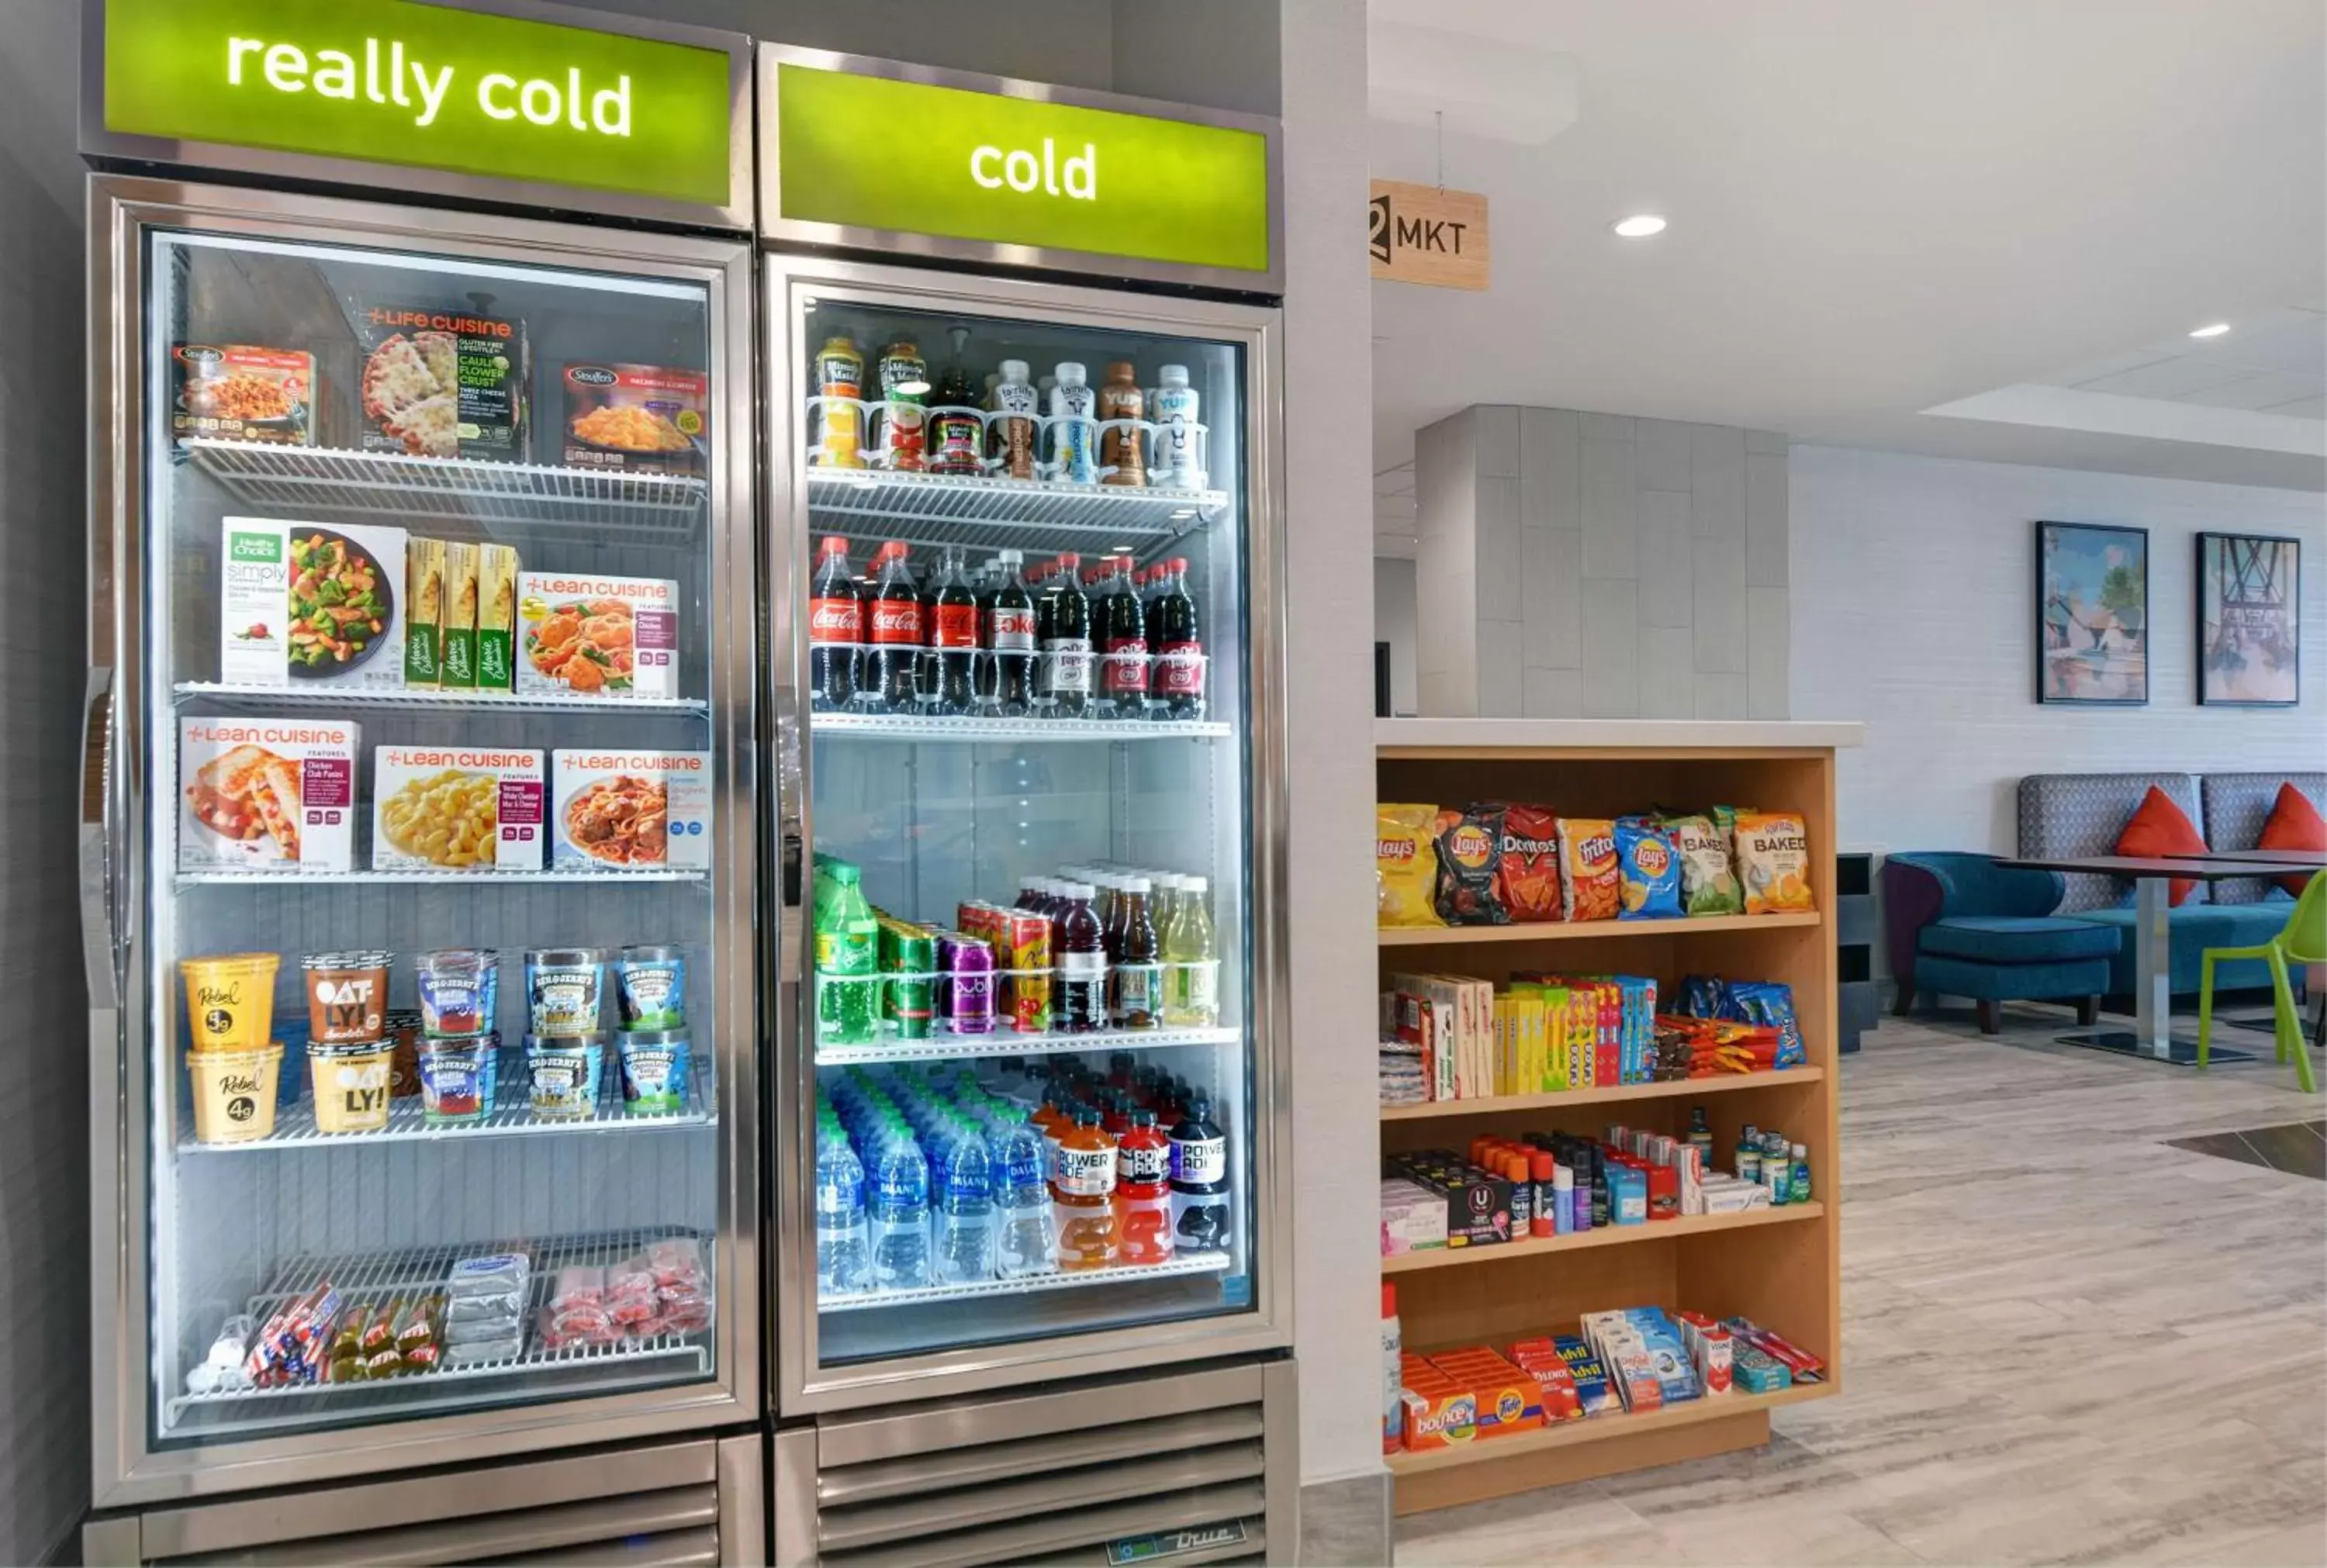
1405,864
1708,884
1774,861
1529,873
1648,871
1589,886
1470,844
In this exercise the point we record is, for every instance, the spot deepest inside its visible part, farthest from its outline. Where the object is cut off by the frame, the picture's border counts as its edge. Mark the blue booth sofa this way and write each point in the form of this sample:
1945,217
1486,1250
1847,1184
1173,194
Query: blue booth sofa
1963,924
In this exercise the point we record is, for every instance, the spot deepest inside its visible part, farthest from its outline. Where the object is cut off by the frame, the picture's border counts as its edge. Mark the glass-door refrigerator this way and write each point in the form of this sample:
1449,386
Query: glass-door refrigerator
1030,1090
423,833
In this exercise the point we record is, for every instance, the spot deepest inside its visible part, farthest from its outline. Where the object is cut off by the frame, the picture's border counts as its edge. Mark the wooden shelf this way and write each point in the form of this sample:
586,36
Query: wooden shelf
1603,1235
1598,1428
1727,1083
1574,930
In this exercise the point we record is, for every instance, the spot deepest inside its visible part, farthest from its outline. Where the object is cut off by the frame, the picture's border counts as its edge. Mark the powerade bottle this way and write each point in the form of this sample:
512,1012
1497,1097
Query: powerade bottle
1200,1183
901,1213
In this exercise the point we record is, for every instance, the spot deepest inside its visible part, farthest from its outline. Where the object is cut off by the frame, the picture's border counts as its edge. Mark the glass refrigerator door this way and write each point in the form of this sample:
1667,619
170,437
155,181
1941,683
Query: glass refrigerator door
448,820
1033,1089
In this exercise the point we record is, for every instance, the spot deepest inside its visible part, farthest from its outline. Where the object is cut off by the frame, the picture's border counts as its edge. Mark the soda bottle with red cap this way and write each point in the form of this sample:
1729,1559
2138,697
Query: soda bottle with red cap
836,627
894,634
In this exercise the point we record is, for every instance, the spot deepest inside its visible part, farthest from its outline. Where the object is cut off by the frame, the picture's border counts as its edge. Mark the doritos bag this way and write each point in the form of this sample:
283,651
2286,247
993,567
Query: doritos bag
1404,865
1648,871
1773,860
1708,884
1588,884
1470,854
1529,873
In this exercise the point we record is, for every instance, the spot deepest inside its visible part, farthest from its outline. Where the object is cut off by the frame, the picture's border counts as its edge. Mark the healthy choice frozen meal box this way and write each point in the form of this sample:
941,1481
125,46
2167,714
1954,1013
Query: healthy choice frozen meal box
456,808
302,604
588,636
273,794
630,810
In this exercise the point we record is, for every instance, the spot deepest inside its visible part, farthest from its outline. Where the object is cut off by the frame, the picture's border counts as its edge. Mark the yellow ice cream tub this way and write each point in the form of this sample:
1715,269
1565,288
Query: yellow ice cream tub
351,1084
231,1000
234,1092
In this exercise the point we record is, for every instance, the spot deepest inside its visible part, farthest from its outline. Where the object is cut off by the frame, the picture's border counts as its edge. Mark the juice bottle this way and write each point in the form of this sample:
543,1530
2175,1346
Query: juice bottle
898,419
836,433
1192,975
1083,966
1143,1193
1135,985
1082,1194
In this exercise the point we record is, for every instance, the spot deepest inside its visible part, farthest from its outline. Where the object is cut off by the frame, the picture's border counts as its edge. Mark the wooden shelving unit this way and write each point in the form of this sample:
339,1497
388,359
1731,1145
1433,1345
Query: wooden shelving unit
1779,1267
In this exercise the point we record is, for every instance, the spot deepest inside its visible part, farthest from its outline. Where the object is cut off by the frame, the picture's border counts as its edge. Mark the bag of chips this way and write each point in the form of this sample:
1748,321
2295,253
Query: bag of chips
1769,1003
1470,844
1708,884
1773,860
1648,871
1529,885
1404,865
1589,888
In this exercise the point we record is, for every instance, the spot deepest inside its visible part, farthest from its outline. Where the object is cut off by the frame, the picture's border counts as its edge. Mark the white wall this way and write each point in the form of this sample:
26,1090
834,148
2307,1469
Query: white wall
1394,607
1913,582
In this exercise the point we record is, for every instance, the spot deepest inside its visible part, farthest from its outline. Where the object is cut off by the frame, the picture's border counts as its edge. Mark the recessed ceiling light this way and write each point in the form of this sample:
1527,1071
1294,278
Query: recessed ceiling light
2215,330
1640,226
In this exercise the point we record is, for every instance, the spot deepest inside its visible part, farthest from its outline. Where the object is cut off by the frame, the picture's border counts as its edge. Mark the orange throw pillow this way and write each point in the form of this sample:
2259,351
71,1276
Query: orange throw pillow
2294,824
2159,828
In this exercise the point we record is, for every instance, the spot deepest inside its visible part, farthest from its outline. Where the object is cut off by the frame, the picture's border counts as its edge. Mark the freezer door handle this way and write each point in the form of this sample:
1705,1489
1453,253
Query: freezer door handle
100,945
792,868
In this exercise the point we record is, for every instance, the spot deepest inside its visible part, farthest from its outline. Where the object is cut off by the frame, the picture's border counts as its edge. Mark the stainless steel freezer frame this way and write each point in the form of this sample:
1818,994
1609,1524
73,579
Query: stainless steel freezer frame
800,1384
129,1468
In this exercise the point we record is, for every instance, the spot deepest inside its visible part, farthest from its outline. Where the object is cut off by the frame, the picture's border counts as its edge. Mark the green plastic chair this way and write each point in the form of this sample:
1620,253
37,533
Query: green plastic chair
2303,940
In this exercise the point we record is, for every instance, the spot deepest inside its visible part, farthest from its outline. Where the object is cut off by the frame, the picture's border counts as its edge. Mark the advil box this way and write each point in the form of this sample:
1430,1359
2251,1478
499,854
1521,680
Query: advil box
630,810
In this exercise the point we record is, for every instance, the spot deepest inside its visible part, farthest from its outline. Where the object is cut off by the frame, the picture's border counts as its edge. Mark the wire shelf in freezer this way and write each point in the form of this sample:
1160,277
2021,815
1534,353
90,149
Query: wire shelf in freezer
246,877
425,697
601,506
1033,515
1025,1285
941,727
944,1047
296,1128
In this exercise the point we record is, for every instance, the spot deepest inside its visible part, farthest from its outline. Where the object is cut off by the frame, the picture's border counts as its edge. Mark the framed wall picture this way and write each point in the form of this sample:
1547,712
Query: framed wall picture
2092,614
2249,621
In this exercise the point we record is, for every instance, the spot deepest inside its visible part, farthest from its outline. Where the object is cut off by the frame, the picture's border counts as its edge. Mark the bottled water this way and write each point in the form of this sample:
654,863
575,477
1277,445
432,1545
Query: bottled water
840,1234
965,1213
901,1213
1023,1237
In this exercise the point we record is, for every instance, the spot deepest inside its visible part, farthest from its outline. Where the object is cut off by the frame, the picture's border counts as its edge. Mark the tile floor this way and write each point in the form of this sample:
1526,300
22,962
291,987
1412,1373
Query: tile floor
2066,1340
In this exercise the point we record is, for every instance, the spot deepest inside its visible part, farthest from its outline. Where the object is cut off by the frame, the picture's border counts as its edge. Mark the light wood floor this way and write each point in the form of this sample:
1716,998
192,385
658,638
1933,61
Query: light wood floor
2067,1342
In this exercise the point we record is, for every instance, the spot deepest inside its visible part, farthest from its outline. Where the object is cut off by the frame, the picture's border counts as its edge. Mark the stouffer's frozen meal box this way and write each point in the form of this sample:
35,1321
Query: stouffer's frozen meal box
456,807
306,604
649,419
581,635
630,810
266,792
243,392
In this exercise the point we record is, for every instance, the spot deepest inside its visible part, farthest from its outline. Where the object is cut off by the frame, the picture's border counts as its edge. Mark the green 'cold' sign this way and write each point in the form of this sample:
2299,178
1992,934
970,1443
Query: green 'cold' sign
395,81
1016,171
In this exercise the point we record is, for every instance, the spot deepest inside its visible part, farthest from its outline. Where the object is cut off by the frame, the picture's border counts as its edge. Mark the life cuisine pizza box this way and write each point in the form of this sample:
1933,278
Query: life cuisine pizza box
631,809
269,793
588,636
456,808
442,381
306,604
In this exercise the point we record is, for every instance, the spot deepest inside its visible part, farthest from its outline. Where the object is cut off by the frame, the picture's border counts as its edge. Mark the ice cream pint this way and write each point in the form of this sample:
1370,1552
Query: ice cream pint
234,1094
566,1071
347,997
460,988
655,1064
650,988
564,989
351,1084
231,1000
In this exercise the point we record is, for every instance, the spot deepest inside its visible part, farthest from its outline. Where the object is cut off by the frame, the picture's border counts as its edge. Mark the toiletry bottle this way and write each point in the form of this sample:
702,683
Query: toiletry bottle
1800,1185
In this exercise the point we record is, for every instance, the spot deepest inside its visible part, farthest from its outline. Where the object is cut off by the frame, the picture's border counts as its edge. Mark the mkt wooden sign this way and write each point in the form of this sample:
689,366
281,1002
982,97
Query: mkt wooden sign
1426,235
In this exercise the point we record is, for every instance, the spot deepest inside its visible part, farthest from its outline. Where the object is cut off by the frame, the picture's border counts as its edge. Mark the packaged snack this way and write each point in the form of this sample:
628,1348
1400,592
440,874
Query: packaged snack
456,664
630,1292
1590,888
1648,871
628,810
1708,884
496,617
242,392
646,418
1470,849
1404,867
442,382
419,1325
494,1273
273,793
1528,875
424,612
1770,1004
1773,860
505,1348
455,807
583,635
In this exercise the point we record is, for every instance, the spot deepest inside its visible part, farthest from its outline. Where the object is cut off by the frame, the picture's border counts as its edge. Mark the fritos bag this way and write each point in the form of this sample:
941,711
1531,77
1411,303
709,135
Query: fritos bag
1707,885
1773,860
1589,887
1469,859
1404,865
1529,878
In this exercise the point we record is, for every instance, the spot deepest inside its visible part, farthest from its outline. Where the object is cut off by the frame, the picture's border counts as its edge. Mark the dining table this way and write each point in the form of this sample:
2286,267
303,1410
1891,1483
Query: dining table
2152,877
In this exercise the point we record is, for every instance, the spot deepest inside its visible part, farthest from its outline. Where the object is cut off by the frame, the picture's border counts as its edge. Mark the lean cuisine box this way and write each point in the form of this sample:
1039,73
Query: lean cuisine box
456,808
580,635
630,810
305,604
442,381
274,793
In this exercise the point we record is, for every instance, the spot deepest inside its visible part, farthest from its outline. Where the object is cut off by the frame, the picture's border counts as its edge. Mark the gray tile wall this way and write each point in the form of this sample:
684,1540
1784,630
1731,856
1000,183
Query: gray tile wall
1590,566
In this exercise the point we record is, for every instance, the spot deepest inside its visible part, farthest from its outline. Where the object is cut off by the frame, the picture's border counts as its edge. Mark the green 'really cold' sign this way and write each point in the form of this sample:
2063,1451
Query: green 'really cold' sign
430,86
1004,170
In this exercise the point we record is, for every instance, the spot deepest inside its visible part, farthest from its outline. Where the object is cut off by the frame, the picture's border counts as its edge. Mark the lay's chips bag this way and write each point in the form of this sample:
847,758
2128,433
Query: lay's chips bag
1648,871
1470,866
1773,860
1404,865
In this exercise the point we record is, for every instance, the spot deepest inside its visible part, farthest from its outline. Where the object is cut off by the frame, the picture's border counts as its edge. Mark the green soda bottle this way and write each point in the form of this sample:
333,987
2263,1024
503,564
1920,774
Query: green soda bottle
847,947
1192,975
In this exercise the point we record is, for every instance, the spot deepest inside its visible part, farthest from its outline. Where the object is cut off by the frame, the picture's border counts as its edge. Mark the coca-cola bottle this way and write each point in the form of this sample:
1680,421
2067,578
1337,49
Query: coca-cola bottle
929,671
953,636
835,626
1010,634
894,636
1177,640
1123,647
1067,649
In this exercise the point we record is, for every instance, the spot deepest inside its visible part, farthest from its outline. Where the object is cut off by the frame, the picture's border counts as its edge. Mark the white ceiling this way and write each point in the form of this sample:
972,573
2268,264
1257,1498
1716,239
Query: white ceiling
1879,206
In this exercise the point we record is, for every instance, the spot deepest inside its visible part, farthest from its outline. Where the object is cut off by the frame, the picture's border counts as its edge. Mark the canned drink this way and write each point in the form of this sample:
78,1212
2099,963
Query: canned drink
909,958
966,984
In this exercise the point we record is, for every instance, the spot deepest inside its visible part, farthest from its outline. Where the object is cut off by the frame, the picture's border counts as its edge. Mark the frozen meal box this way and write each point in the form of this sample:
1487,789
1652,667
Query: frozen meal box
630,810
456,665
456,807
243,392
424,612
299,604
496,617
588,636
266,792
649,419
440,381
